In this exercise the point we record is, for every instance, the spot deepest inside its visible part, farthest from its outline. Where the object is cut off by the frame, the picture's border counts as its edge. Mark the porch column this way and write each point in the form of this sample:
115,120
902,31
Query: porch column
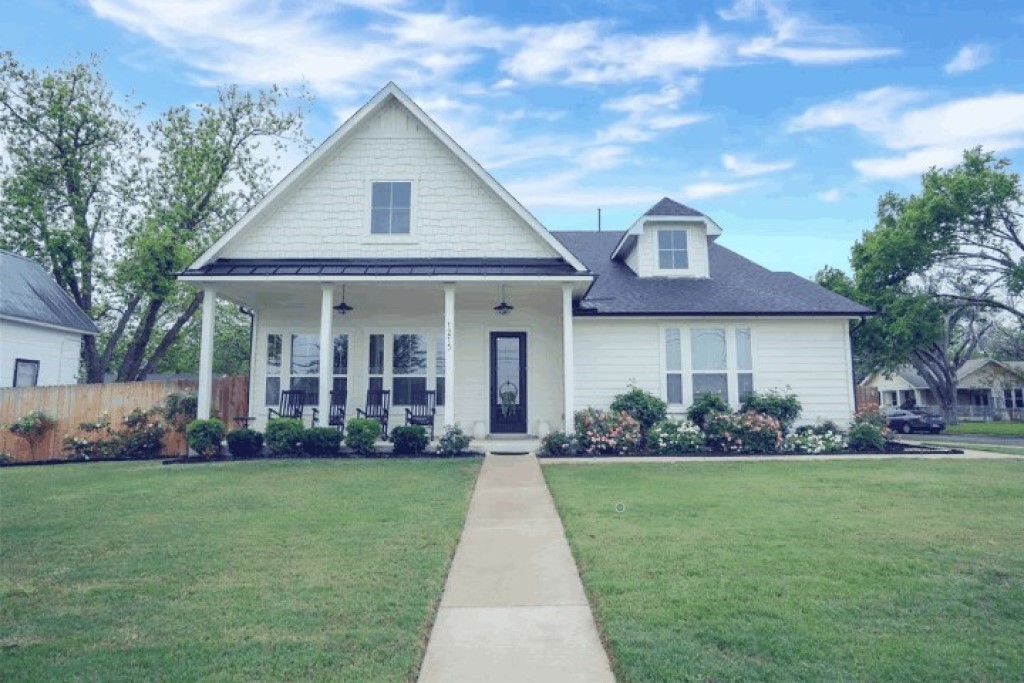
568,363
326,352
205,397
449,355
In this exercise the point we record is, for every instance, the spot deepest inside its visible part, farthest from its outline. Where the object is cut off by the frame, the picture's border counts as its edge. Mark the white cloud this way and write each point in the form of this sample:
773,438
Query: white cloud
831,196
649,113
969,58
707,190
747,167
926,136
567,191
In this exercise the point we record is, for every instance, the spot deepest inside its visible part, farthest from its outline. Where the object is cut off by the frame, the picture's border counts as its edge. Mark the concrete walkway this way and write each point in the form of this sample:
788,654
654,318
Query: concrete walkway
513,607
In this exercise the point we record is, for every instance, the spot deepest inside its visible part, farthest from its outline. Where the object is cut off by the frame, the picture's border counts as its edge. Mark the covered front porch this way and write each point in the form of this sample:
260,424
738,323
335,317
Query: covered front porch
496,371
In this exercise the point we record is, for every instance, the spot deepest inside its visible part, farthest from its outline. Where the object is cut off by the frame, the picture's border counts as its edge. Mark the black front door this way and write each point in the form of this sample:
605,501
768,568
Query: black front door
508,382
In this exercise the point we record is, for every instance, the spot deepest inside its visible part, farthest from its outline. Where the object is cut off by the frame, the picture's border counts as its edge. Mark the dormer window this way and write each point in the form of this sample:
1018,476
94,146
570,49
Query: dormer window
672,251
390,208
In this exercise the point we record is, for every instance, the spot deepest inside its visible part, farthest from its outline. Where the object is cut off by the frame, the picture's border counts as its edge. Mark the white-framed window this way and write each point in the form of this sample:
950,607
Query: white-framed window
408,367
297,365
439,368
26,372
375,365
390,207
744,363
707,359
673,253
272,395
1013,398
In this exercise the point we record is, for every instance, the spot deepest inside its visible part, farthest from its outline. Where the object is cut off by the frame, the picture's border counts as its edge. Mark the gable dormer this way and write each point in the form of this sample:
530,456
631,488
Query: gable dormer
669,240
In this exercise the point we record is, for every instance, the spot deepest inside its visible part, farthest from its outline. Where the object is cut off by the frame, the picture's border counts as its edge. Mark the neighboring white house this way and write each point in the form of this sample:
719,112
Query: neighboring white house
41,327
445,282
986,389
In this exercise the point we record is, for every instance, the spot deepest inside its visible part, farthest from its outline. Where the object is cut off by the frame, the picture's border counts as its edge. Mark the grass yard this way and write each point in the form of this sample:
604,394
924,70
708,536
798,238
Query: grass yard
280,570
986,447
987,428
818,571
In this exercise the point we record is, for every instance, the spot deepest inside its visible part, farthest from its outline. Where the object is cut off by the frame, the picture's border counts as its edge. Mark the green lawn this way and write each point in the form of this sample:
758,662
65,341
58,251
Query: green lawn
286,570
817,571
987,428
987,447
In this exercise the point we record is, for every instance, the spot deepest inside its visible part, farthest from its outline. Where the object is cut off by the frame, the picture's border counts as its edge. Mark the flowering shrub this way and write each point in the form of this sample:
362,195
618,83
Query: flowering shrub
823,438
559,444
453,442
743,433
865,436
870,415
783,407
705,405
669,437
140,436
605,433
32,428
642,405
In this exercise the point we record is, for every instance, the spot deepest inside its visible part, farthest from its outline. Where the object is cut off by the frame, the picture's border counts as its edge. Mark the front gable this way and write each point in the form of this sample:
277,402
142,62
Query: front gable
323,208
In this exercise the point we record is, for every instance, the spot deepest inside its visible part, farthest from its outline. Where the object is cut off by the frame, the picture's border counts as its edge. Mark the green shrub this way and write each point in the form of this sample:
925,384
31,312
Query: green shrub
783,407
321,441
204,436
284,436
453,442
669,437
32,427
743,433
179,409
245,443
409,439
559,444
142,435
361,435
599,432
866,436
705,405
643,406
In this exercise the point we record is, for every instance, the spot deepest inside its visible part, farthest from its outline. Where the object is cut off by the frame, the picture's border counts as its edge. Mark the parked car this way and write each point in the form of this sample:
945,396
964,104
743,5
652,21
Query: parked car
916,420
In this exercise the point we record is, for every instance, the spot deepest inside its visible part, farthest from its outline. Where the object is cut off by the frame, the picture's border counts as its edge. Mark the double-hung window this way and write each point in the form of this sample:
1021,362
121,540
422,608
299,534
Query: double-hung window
709,362
439,369
707,359
390,208
1013,398
305,365
672,250
272,395
340,369
409,367
375,370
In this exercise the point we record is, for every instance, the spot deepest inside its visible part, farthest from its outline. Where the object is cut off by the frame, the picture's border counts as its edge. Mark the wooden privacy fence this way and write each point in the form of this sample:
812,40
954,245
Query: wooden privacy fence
866,397
73,404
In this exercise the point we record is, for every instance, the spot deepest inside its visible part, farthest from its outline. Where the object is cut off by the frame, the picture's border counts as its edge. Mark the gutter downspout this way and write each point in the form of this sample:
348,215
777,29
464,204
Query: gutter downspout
252,356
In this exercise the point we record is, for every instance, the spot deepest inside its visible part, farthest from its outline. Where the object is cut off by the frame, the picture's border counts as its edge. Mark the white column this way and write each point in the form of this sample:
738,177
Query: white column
449,355
568,363
326,353
205,397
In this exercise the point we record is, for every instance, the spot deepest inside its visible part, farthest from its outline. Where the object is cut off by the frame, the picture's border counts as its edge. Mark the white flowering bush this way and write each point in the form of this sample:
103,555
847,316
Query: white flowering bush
670,437
814,440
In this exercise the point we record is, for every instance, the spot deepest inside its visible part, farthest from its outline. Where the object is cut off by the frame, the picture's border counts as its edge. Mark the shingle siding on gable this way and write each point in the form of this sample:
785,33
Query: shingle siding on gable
647,250
454,214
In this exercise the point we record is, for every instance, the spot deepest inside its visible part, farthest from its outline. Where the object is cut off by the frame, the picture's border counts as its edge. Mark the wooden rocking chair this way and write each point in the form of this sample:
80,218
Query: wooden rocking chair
293,405
336,418
378,406
422,410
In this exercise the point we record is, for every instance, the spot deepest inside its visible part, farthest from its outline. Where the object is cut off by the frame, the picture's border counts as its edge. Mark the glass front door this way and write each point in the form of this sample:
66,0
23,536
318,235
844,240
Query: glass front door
508,382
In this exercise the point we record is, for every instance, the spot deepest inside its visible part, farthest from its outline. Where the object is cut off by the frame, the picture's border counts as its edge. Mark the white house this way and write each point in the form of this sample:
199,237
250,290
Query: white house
41,327
986,389
446,283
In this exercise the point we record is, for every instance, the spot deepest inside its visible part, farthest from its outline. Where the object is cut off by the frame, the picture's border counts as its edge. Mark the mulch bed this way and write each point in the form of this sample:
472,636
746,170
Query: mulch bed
891,448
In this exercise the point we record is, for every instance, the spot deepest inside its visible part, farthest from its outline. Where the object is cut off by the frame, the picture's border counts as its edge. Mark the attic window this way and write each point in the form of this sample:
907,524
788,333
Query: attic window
390,207
672,252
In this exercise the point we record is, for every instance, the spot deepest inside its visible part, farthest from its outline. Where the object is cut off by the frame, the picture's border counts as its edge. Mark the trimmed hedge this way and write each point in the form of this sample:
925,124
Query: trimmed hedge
321,441
204,436
361,435
245,443
284,436
409,439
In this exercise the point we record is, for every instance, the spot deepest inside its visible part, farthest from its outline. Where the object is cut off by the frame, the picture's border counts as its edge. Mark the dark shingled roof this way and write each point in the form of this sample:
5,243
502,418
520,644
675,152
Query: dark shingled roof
28,293
737,286
669,207
385,267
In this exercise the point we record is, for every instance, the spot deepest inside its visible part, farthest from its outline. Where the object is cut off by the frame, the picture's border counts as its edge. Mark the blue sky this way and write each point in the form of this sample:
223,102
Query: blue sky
783,121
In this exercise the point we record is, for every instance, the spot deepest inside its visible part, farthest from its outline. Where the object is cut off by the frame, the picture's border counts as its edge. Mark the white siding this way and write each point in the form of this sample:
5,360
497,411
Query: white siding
420,309
646,250
808,357
56,350
454,214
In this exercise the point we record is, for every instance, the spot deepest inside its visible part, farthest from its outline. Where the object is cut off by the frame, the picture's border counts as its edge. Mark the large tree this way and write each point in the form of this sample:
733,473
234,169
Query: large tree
115,209
937,267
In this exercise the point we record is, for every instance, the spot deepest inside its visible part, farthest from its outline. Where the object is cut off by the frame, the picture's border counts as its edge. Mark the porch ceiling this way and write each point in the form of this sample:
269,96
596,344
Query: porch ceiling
385,267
